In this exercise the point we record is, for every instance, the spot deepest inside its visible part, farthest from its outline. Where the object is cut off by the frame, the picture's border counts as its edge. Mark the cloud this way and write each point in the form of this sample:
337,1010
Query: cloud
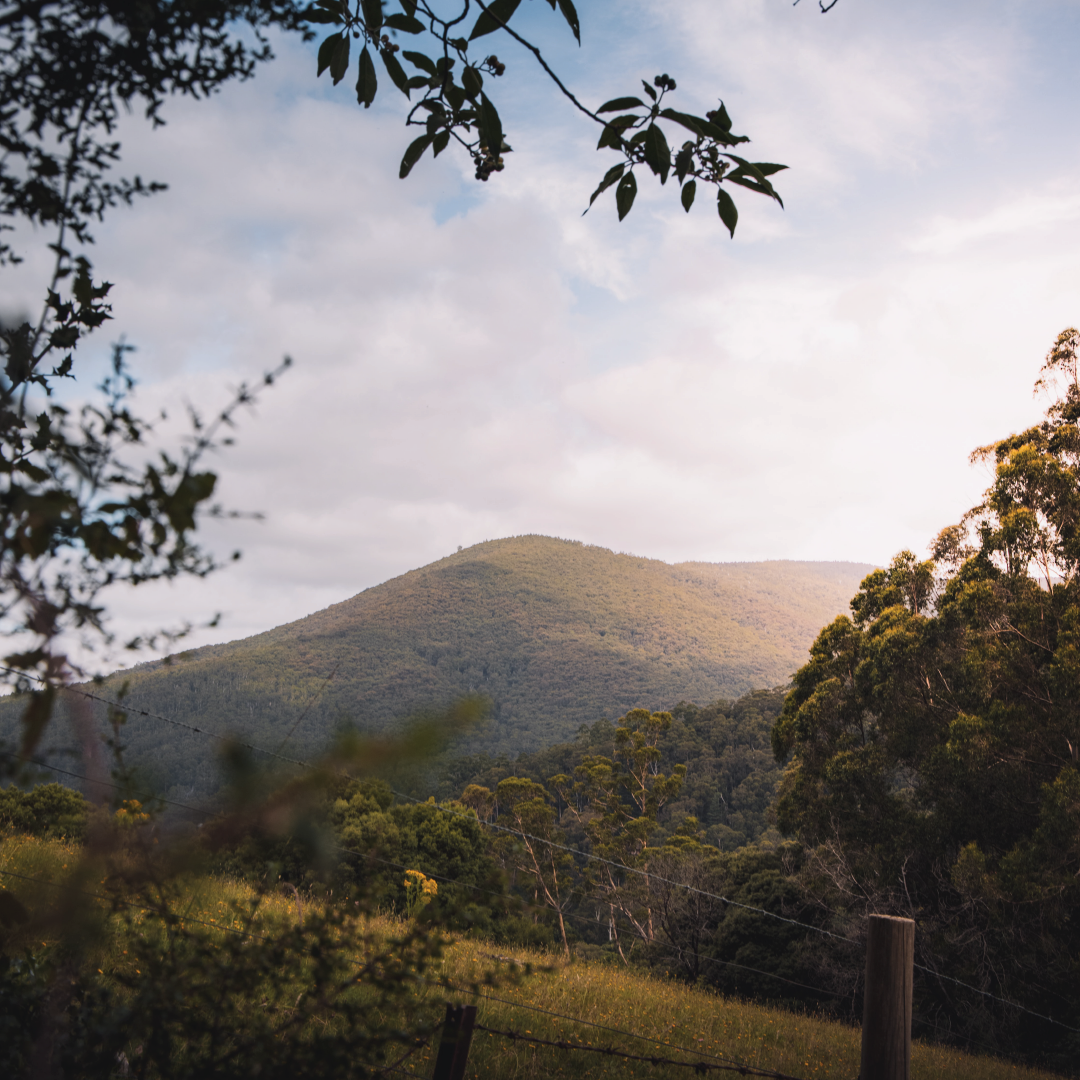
1028,213
478,361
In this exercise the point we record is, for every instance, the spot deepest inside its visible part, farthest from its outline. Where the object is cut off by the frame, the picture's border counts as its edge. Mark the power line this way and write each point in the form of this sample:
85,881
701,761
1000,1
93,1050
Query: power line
106,783
130,903
551,843
593,1024
1004,1001
491,997
651,1059
164,719
648,875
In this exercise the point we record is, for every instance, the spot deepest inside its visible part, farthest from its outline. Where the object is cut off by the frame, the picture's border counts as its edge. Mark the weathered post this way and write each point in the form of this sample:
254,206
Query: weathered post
886,1031
454,1045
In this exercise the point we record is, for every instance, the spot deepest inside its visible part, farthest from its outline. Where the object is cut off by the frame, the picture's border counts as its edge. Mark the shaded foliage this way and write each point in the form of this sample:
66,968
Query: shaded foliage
933,737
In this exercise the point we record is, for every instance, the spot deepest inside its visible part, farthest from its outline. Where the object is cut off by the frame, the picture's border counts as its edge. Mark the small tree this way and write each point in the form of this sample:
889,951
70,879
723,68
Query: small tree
617,802
531,848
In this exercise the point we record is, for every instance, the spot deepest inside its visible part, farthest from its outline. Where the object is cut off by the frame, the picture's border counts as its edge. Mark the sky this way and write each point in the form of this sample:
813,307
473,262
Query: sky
473,361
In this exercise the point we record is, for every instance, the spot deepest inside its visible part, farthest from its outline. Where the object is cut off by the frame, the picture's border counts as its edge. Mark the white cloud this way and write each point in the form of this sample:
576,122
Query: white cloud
811,389
1029,213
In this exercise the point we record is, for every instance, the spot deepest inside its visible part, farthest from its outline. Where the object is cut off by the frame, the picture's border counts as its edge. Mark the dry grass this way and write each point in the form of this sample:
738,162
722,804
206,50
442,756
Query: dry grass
670,1018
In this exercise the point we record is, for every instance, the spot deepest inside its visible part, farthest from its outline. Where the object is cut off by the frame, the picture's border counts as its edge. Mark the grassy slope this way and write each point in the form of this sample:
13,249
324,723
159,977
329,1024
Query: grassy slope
668,1014
554,632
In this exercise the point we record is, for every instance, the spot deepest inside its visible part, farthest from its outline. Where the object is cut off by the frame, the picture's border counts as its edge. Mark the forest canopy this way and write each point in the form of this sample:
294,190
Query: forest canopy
933,739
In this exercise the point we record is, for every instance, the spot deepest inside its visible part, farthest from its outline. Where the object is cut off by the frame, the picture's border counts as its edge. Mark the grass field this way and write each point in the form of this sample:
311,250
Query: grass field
665,1018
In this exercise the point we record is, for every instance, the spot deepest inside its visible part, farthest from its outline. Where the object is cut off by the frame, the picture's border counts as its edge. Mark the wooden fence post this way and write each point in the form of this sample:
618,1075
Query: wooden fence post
454,1044
886,1031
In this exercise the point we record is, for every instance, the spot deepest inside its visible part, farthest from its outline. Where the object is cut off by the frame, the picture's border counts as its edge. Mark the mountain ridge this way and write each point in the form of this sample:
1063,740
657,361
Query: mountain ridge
555,633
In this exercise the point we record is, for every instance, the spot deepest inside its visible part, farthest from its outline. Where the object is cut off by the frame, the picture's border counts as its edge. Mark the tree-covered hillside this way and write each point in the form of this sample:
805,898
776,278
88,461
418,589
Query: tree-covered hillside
555,633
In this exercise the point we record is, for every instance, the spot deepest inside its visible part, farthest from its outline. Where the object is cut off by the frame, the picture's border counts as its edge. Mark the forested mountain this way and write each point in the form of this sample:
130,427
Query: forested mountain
555,633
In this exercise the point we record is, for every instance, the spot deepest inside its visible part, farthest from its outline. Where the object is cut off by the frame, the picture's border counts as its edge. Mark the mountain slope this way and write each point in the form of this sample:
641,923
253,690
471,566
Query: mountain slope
554,632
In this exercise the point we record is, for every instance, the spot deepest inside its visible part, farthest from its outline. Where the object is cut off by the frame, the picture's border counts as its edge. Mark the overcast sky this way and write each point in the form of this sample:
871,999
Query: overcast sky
475,361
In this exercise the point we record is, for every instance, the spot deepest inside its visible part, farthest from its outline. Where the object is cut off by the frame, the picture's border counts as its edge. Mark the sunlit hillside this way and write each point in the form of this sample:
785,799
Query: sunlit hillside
555,633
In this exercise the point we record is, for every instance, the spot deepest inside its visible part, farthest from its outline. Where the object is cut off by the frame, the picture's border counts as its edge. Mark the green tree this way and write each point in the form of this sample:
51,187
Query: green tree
932,740
46,810
617,801
531,848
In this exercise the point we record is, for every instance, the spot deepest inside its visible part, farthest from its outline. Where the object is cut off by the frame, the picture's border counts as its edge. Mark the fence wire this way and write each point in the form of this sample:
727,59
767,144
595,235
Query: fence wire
538,839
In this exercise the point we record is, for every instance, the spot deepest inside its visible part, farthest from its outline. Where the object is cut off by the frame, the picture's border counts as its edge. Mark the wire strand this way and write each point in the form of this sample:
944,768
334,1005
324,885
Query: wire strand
542,840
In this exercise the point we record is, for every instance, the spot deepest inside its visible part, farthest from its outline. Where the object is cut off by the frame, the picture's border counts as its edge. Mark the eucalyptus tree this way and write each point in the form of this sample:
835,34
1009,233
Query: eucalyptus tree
932,741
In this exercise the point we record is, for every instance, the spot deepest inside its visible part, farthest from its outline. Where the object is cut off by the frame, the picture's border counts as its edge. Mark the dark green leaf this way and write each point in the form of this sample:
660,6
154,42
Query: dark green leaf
438,144
409,7
610,177
404,23
729,213
339,61
615,104
320,15
373,15
366,82
720,118
455,95
472,81
766,168
424,63
648,89
610,136
412,154
657,152
326,52
394,70
691,123
498,13
571,16
687,194
491,132
753,185
684,161
418,80
625,194
748,167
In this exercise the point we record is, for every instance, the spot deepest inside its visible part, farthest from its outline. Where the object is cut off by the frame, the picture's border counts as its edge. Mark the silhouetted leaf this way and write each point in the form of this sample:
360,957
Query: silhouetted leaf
729,213
366,82
657,152
339,59
373,15
394,70
472,81
405,23
491,132
326,53
694,124
497,14
413,153
687,194
616,104
625,194
610,177
424,63
571,16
